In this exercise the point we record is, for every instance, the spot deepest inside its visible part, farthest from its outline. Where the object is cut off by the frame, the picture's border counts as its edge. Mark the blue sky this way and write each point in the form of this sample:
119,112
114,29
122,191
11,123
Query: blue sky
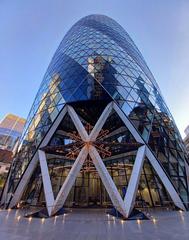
30,32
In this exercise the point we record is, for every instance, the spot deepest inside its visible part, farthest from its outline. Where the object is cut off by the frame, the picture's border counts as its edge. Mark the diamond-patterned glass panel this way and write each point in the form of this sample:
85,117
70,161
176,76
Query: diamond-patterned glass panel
98,61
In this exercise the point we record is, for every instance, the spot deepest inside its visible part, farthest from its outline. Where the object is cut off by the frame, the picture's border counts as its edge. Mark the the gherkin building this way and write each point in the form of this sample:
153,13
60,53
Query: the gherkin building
99,133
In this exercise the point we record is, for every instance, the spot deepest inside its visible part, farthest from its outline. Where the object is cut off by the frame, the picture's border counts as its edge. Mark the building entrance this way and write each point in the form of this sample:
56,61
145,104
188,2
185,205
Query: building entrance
88,190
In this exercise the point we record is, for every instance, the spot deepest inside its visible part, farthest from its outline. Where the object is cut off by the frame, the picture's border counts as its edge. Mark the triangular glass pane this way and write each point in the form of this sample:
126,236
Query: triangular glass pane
151,191
117,148
89,112
115,138
61,152
34,194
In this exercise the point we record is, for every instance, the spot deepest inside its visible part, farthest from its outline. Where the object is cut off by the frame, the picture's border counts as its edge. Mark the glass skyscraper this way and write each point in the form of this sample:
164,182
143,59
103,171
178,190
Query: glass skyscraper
99,133
11,128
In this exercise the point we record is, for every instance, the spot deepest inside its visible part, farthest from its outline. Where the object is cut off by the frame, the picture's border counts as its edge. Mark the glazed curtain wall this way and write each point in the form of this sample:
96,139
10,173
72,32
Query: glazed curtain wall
98,60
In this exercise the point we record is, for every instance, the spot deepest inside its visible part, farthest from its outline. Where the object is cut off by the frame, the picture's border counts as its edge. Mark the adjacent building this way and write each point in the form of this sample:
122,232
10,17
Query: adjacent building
11,128
99,132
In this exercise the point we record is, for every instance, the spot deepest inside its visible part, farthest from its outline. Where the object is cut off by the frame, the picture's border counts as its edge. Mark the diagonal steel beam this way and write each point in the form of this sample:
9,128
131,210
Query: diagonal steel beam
128,124
31,166
165,180
153,160
78,124
49,196
23,182
98,126
107,181
132,189
70,180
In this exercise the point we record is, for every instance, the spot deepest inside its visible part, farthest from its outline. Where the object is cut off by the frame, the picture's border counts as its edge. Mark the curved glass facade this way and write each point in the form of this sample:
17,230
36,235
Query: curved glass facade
96,63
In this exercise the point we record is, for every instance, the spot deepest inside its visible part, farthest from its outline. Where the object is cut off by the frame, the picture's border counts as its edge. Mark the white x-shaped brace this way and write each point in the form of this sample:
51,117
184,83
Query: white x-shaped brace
124,206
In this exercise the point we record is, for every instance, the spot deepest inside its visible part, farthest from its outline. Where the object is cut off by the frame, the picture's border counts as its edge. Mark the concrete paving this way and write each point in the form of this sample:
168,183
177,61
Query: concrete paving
94,224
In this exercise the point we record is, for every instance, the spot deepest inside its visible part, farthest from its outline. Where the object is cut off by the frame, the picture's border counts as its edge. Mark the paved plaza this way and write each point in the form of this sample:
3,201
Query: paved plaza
83,224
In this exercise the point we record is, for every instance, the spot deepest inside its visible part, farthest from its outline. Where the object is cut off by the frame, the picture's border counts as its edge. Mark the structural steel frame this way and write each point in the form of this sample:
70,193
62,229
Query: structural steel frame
124,206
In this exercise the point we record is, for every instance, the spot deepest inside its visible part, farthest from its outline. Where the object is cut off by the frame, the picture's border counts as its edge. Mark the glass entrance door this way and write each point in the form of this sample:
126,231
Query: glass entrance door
87,190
